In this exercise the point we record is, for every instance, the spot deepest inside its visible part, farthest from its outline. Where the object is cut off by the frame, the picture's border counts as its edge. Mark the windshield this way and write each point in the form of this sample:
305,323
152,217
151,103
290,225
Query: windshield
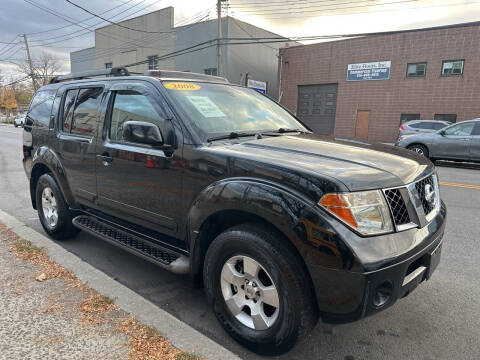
219,109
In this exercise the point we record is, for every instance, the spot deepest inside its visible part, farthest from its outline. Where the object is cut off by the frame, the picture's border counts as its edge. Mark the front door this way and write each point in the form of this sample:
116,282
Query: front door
475,143
453,142
137,182
361,127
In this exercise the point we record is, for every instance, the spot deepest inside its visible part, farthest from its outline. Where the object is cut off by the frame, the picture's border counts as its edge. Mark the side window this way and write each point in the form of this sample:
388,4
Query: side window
476,130
85,113
439,125
424,125
41,107
130,105
460,129
68,109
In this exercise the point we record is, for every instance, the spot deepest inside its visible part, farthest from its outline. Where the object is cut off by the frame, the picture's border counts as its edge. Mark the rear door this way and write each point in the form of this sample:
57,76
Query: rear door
475,143
137,182
453,142
76,129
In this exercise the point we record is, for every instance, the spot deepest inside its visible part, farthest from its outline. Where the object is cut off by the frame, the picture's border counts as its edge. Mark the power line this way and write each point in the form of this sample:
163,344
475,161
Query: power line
17,81
310,9
81,21
112,22
98,23
307,13
150,38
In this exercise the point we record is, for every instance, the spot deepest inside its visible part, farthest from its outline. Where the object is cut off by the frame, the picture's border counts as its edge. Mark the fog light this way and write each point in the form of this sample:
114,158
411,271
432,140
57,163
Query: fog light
382,294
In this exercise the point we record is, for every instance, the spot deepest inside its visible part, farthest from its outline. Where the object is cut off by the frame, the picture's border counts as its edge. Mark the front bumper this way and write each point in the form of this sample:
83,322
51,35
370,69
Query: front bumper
345,296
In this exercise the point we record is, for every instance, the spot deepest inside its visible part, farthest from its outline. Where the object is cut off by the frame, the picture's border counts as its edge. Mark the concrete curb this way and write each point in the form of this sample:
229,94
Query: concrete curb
178,333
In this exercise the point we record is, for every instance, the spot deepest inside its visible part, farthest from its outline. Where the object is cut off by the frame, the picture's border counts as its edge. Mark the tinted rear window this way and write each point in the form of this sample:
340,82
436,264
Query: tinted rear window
421,125
68,108
41,107
85,113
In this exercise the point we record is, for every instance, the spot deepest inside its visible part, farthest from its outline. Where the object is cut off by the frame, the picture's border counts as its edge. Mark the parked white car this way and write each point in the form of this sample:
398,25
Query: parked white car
19,120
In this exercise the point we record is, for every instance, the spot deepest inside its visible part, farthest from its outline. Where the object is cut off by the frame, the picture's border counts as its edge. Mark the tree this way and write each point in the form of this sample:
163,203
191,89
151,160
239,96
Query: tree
45,67
7,99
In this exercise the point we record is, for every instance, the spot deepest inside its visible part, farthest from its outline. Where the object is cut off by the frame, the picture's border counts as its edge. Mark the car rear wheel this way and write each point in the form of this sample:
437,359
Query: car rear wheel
53,211
260,292
419,149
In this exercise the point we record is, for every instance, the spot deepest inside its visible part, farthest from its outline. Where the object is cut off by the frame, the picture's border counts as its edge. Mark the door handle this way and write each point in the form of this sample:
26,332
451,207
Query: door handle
105,158
465,139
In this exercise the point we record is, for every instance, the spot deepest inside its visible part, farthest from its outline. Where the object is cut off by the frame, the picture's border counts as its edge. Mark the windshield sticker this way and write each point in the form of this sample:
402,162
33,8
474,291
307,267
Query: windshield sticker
182,86
206,106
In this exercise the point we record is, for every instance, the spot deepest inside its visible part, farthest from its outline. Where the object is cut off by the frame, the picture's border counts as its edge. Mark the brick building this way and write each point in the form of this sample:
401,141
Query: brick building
365,87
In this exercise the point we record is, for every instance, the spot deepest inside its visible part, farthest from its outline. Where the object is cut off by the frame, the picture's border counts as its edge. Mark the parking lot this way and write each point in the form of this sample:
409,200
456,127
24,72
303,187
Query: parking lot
439,320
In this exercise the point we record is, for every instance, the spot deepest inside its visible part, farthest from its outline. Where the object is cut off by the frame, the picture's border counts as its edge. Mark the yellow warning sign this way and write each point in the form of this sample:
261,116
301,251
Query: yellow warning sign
182,86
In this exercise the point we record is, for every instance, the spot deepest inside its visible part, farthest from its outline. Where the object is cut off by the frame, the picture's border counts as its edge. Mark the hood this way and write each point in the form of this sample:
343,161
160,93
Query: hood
359,166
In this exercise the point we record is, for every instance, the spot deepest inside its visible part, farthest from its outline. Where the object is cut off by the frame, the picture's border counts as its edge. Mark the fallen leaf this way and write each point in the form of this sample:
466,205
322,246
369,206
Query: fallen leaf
41,277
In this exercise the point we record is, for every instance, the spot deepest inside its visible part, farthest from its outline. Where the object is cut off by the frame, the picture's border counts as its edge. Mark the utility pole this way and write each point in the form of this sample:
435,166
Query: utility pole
219,36
32,74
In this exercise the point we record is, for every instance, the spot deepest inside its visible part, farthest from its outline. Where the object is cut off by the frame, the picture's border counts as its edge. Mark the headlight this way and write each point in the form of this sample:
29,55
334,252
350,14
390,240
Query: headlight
366,212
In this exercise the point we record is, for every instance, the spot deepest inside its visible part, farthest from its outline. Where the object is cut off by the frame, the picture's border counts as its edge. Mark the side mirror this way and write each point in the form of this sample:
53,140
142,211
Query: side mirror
442,132
142,132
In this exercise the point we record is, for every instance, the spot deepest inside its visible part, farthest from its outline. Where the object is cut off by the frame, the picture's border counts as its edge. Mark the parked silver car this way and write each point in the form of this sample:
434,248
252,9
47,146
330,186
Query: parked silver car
460,141
421,126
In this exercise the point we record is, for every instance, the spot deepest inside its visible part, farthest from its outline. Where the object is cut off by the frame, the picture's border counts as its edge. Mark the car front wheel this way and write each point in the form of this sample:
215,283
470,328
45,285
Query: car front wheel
419,149
260,292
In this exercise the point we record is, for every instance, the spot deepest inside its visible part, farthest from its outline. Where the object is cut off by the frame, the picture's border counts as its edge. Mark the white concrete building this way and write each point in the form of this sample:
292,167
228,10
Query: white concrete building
159,42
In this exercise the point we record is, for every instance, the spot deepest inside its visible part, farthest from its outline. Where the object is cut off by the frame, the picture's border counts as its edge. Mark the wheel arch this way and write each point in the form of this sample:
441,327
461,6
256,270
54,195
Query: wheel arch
46,161
228,204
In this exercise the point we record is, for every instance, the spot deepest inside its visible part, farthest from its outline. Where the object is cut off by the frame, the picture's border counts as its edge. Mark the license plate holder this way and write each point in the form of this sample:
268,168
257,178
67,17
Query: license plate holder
434,260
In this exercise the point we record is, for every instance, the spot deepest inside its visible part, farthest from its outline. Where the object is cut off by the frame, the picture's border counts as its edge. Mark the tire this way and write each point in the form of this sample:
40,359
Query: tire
15,125
296,313
50,205
419,149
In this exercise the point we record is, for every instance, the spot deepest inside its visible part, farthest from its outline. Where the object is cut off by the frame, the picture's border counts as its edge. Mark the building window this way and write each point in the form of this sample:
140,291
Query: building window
210,71
153,62
416,69
408,117
108,65
452,67
446,117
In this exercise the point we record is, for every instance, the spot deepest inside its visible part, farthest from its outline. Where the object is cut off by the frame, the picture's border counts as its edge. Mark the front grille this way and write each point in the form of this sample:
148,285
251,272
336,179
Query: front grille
428,206
397,206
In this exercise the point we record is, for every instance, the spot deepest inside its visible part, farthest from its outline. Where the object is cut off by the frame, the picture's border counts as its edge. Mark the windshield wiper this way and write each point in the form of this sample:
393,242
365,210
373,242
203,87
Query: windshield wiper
232,135
283,131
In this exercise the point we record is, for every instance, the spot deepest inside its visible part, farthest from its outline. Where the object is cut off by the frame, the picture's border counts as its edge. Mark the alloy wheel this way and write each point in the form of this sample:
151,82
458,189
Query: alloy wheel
49,206
249,292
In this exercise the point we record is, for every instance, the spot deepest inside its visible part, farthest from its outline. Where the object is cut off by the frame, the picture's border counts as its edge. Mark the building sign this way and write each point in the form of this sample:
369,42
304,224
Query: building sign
378,70
260,86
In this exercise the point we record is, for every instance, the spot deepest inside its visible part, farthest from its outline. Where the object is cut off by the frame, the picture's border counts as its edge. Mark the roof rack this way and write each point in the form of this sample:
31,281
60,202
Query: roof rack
116,71
169,74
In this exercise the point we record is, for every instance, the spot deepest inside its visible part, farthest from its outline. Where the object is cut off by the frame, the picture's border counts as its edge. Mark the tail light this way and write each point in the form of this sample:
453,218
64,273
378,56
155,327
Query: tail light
402,128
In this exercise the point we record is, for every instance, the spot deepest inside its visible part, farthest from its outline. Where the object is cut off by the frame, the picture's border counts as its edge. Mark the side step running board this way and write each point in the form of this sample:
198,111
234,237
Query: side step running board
146,249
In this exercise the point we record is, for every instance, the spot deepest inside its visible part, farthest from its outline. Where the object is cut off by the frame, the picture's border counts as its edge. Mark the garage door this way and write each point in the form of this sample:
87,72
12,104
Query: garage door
316,107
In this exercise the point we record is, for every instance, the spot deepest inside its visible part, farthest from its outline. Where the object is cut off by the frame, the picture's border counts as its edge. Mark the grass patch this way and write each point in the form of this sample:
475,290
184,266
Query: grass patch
25,246
187,356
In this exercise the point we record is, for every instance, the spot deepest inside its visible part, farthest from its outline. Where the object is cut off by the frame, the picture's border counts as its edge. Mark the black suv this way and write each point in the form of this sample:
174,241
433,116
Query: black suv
217,181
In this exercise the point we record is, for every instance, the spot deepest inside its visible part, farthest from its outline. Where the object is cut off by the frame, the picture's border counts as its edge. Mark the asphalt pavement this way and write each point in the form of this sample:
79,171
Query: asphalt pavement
439,320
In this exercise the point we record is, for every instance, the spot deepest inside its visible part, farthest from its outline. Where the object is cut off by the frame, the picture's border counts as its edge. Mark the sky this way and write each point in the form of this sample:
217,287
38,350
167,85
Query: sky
57,36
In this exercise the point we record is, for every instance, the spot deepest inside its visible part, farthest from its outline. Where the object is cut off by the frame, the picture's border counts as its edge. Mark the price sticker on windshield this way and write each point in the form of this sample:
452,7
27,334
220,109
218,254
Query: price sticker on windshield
205,106
185,86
